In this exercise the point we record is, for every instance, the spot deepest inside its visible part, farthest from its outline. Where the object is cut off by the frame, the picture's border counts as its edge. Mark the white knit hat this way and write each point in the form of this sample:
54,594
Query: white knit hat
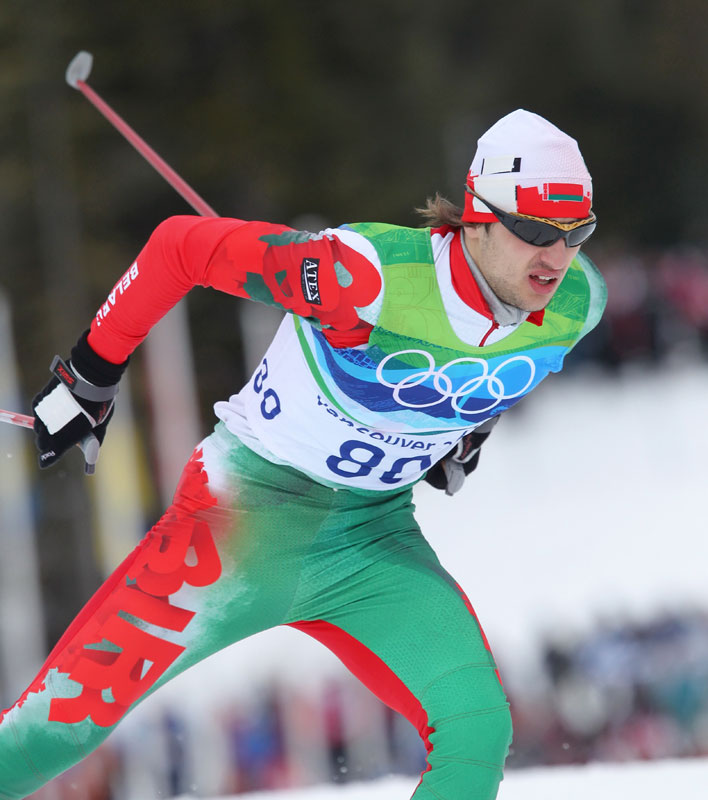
525,164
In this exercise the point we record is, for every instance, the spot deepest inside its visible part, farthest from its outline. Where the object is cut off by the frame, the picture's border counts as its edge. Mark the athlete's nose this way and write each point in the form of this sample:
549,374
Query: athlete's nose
558,255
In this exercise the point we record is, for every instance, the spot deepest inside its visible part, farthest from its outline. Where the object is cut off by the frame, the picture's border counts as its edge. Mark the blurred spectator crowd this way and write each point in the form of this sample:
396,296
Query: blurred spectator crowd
624,691
657,307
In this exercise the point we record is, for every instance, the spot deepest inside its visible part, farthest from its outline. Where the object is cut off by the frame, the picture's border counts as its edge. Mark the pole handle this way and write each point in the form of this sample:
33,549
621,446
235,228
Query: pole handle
79,69
90,447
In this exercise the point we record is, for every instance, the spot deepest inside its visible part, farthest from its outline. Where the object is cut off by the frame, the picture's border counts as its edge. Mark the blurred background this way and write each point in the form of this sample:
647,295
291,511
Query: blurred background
584,561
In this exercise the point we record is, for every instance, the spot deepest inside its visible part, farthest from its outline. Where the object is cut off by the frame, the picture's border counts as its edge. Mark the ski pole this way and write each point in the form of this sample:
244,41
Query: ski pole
13,418
76,74
89,445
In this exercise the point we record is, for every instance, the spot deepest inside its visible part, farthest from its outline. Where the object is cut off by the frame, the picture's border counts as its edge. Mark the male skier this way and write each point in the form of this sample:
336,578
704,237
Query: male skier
401,348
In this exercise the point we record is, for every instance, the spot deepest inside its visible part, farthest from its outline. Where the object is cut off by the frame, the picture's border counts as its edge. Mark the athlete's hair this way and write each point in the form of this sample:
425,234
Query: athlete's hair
439,211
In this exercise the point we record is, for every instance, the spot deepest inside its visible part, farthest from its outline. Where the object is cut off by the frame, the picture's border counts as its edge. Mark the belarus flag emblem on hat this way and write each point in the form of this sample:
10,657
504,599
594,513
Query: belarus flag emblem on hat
554,200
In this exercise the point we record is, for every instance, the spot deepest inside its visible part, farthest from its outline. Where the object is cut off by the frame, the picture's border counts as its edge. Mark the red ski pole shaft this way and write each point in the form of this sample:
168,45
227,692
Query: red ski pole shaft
76,75
13,418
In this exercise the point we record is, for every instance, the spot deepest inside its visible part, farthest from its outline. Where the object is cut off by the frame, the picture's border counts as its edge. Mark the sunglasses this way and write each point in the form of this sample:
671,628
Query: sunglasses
542,232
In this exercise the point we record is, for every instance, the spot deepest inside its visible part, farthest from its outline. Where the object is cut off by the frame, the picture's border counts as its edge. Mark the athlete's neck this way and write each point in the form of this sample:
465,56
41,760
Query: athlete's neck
503,313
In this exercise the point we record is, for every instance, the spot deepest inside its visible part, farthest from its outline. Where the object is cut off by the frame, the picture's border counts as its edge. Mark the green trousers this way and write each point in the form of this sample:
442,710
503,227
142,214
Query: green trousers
247,545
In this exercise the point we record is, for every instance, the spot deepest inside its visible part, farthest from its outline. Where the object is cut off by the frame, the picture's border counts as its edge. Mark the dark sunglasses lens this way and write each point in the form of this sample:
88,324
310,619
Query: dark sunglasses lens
536,233
541,235
580,235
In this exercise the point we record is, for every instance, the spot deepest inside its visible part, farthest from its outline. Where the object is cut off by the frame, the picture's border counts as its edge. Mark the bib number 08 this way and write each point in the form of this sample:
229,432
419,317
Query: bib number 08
357,459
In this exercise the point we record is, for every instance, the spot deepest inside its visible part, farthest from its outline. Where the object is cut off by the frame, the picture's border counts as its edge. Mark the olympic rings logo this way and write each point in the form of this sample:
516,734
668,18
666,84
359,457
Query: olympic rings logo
443,383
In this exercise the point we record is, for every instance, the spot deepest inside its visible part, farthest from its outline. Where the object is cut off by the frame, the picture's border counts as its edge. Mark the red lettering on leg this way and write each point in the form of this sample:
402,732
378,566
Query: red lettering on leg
123,673
162,569
114,677
156,610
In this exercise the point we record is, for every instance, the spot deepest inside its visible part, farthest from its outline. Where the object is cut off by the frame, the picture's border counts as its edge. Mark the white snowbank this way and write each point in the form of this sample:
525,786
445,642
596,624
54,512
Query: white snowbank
588,503
682,780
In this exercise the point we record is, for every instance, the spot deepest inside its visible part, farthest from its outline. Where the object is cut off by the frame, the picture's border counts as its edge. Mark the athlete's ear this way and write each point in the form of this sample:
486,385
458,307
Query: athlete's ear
472,235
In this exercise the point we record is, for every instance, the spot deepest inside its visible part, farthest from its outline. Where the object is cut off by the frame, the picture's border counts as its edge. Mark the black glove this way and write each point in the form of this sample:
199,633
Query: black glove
450,472
76,405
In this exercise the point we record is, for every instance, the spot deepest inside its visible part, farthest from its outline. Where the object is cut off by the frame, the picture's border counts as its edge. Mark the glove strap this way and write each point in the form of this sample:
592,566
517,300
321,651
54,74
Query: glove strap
80,387
465,450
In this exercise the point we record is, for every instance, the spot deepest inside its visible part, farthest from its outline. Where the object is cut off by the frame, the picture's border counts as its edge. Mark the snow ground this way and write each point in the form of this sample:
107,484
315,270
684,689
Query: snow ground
682,780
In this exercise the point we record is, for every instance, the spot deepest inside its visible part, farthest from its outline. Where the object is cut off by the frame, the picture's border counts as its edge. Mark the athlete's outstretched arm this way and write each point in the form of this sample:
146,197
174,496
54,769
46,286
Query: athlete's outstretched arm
311,275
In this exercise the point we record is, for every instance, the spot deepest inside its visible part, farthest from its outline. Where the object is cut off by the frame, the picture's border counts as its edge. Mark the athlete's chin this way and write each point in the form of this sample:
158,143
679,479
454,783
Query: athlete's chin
536,305
536,301
529,303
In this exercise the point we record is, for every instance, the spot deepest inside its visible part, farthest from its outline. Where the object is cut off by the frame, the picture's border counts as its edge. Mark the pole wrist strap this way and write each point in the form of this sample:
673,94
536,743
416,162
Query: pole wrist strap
80,387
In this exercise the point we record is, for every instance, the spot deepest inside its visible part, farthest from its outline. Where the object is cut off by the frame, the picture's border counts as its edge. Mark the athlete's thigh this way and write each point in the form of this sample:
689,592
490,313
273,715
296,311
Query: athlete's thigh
407,630
371,572
226,558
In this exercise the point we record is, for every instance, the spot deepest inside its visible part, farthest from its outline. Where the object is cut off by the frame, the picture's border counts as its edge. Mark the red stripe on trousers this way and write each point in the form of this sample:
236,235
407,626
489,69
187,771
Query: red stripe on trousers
470,608
373,672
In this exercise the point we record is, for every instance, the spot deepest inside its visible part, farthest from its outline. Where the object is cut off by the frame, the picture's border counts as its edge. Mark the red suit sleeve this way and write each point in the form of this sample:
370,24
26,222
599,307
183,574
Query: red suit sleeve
315,276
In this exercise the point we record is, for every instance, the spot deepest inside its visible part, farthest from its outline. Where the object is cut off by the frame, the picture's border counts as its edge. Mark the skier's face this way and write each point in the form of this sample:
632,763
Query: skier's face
520,274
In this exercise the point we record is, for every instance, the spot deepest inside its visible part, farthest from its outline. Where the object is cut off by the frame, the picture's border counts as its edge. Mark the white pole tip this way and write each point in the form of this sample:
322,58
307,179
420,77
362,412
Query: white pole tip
79,69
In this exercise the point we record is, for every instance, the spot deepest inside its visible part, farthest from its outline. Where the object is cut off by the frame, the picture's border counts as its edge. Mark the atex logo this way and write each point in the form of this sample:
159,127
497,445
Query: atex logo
310,278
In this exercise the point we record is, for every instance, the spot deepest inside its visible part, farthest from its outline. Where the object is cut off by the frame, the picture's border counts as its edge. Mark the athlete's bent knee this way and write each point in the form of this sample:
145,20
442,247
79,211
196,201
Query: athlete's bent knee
470,753
469,742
